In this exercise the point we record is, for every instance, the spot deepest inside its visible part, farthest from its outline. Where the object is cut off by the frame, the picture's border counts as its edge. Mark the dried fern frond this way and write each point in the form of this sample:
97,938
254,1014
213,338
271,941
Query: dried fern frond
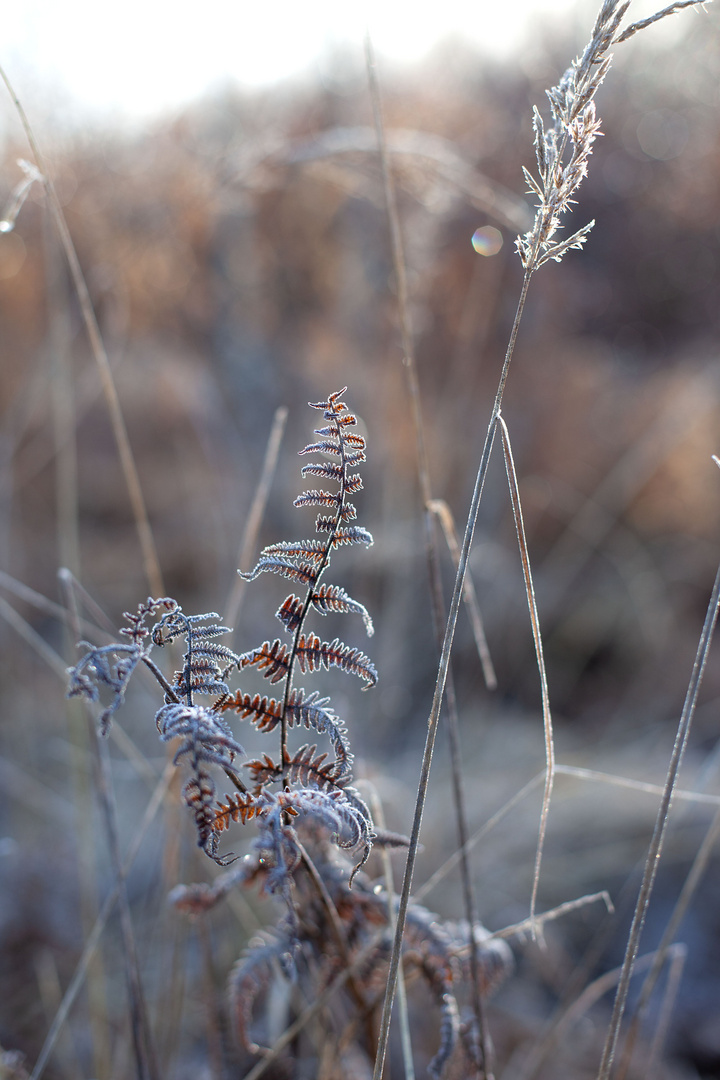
305,768
304,573
303,709
333,598
273,659
304,562
250,977
199,795
206,663
313,654
318,498
110,666
206,735
239,807
308,788
307,550
311,711
291,612
354,535
265,712
136,629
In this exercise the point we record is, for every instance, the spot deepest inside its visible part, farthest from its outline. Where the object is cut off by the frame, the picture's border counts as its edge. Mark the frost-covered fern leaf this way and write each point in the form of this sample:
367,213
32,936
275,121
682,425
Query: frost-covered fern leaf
303,710
207,740
304,573
291,612
311,711
306,767
311,785
354,534
313,654
263,711
307,550
206,736
272,659
251,977
109,666
336,810
136,629
199,795
112,666
320,498
206,663
333,598
238,807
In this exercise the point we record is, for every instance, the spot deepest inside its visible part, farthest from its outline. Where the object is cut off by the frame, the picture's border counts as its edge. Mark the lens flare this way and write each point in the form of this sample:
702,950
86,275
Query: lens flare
487,240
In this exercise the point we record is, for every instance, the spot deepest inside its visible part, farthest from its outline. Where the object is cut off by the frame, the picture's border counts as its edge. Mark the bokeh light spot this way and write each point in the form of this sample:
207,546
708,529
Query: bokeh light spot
487,240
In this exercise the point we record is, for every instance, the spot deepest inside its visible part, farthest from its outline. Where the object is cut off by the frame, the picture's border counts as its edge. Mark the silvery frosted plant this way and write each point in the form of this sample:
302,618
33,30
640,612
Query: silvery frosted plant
563,149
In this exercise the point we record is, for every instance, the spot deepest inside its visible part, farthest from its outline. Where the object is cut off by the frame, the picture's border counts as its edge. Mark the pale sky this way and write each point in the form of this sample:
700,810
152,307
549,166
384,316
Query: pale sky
139,57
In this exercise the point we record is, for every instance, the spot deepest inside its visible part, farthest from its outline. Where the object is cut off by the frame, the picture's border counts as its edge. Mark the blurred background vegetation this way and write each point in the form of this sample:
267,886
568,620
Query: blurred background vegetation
238,258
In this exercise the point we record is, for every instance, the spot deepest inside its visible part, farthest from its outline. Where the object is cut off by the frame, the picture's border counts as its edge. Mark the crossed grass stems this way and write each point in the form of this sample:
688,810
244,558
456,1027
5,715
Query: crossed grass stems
562,152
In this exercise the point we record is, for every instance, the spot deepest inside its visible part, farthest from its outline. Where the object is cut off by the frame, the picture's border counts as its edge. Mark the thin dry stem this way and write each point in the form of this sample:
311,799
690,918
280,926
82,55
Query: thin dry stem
127,460
530,925
404,1023
449,865
698,868
537,641
680,794
257,512
592,993
93,939
437,605
658,837
145,1060
678,958
444,515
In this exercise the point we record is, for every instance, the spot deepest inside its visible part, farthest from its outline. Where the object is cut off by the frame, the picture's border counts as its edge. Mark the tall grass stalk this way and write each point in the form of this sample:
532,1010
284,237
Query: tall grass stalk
127,459
658,837
562,153
431,547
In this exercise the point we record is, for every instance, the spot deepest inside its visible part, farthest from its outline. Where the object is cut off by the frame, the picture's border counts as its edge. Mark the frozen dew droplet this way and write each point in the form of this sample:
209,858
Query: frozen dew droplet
487,240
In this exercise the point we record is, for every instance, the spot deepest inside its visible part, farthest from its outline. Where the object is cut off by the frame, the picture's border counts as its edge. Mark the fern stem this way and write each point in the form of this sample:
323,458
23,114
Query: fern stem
340,940
319,1003
161,679
308,600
